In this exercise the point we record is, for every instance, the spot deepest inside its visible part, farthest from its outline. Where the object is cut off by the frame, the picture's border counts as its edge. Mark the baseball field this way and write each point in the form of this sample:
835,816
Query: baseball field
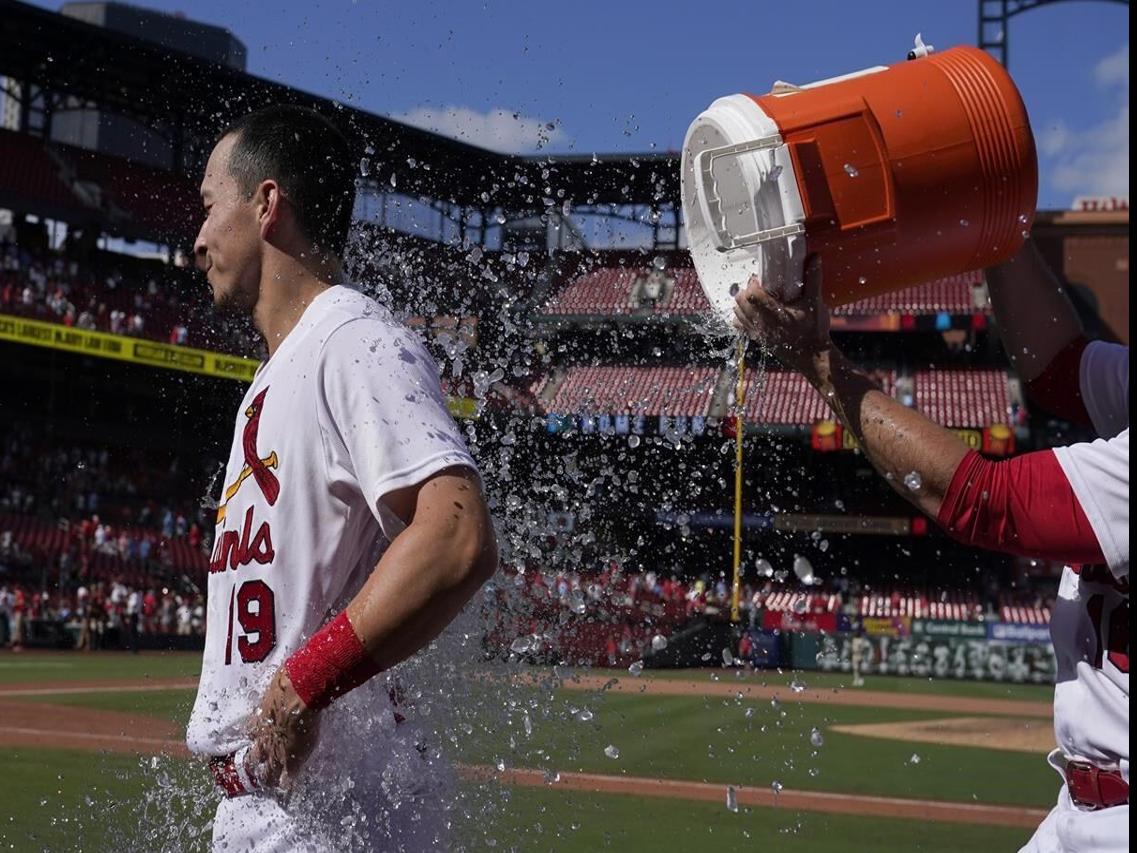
91,758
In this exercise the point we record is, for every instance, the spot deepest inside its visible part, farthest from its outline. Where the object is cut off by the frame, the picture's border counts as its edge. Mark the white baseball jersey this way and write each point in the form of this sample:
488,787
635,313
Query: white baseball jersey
347,410
1090,624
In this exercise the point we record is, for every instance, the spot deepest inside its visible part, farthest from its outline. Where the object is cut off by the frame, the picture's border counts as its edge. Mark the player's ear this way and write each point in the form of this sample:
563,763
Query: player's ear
269,201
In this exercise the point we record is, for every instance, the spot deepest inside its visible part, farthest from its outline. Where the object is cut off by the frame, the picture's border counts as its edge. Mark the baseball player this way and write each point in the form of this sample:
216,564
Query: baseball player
1069,504
351,528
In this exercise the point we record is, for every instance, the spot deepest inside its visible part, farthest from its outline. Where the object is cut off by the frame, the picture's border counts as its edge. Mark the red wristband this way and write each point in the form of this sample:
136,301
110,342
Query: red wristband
330,664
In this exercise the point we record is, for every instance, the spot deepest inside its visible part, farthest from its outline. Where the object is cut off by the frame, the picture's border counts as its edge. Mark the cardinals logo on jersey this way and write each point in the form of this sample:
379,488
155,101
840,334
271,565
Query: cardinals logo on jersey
261,470
232,549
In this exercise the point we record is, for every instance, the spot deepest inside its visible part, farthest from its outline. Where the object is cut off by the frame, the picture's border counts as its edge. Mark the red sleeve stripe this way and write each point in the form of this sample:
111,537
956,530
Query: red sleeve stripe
1058,389
1023,505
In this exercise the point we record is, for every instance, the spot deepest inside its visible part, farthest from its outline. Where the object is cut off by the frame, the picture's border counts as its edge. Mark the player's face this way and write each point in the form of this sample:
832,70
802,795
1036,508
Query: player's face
228,246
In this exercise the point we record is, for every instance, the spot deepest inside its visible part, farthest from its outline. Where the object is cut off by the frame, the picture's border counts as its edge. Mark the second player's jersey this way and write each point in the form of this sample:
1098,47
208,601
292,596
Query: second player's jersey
347,410
1090,623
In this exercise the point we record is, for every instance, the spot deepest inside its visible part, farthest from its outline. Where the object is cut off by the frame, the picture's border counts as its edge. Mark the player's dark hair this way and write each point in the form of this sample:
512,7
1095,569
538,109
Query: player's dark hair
311,160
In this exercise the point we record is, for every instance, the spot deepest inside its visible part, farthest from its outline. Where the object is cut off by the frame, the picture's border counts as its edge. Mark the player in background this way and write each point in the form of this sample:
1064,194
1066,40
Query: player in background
1069,504
352,526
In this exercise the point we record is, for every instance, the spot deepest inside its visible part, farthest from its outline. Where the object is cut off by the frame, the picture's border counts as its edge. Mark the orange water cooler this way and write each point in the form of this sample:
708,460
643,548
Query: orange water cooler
893,175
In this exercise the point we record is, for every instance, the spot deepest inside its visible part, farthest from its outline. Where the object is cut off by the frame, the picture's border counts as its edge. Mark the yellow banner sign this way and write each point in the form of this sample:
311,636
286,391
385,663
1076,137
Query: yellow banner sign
123,348
152,353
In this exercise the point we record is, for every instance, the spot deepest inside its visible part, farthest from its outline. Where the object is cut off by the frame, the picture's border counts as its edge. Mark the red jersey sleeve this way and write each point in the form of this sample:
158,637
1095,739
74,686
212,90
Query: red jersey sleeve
1023,505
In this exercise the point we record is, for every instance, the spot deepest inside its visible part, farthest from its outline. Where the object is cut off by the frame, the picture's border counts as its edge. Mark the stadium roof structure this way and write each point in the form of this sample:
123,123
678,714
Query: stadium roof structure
62,63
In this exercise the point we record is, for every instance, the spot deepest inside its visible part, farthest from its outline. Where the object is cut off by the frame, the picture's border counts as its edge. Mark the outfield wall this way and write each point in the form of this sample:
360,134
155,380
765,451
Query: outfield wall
986,651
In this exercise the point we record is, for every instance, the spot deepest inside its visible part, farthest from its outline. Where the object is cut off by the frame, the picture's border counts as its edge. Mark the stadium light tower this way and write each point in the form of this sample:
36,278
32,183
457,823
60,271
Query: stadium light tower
995,15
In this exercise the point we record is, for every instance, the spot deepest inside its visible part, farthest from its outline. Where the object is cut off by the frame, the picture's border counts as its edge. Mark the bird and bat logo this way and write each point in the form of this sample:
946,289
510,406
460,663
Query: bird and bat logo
233,550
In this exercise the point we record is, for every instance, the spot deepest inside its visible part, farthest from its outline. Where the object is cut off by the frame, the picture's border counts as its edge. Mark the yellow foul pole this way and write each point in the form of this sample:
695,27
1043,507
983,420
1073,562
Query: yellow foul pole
739,427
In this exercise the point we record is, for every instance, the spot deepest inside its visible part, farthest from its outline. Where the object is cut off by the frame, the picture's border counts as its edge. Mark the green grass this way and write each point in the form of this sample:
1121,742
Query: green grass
79,801
49,667
709,739
836,680
86,801
540,819
698,738
701,739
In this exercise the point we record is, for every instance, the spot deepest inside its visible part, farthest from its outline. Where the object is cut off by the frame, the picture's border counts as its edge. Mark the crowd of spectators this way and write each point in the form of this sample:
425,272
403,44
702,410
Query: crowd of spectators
116,293
103,615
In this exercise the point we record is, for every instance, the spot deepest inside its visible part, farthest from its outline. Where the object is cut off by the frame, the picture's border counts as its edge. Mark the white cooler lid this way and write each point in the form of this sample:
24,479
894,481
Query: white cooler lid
741,205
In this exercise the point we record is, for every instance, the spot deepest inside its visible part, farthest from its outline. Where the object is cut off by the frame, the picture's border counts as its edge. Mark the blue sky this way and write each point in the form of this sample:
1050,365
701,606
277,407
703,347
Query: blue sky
626,76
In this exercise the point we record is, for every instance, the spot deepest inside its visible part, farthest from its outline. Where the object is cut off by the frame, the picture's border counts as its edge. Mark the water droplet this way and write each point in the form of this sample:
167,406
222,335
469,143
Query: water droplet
797,686
731,799
764,568
823,545
521,645
800,605
915,759
1022,219
611,751
862,280
776,787
527,724
803,569
727,658
365,166
912,481
899,113
813,771
816,739
851,170
636,668
633,441
659,262
658,643
583,715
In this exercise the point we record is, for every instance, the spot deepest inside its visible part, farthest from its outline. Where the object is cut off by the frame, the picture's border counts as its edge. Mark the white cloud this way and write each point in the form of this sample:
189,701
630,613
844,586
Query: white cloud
1094,160
498,129
1114,69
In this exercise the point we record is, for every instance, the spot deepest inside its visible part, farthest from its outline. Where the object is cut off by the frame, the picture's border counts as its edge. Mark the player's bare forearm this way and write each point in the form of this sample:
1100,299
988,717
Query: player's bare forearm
897,440
1036,319
429,571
